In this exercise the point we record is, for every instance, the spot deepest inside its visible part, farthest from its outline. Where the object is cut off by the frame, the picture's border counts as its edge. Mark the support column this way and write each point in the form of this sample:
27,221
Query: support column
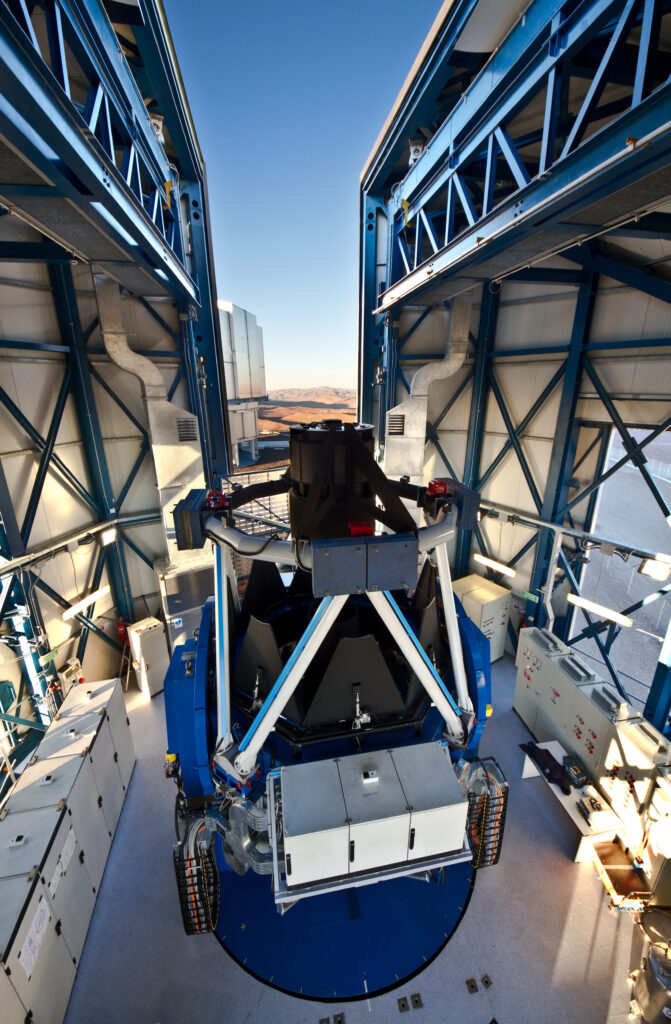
371,329
452,626
207,338
564,445
476,423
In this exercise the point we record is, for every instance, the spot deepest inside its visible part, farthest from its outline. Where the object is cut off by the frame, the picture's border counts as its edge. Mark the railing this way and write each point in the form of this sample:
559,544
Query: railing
107,103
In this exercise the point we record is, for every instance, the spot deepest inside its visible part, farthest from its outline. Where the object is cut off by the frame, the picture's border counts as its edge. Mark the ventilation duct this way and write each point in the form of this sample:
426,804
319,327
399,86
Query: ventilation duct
405,435
173,431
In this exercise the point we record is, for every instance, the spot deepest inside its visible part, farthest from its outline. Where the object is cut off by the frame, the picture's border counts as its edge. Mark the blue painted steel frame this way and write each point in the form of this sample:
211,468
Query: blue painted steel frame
563,448
541,51
476,424
17,594
407,628
135,202
312,625
67,313
40,116
494,98
186,709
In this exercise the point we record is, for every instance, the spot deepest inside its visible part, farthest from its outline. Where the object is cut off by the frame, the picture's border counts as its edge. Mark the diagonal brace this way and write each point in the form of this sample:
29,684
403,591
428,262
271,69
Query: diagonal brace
287,681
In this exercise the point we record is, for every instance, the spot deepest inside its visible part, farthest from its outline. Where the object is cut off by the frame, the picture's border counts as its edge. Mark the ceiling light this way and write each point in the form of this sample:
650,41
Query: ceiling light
600,610
498,566
655,567
108,536
80,606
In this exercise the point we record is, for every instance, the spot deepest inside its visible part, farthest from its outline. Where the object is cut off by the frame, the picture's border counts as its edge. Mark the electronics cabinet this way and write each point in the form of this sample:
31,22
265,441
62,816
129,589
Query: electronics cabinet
594,708
369,811
561,677
488,606
149,651
536,648
56,829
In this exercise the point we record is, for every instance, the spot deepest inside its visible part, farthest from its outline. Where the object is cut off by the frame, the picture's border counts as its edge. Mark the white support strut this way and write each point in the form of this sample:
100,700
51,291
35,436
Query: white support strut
286,683
419,665
452,625
221,560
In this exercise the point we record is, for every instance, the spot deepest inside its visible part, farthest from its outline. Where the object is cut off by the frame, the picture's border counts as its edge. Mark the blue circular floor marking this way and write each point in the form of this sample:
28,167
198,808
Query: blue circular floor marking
342,945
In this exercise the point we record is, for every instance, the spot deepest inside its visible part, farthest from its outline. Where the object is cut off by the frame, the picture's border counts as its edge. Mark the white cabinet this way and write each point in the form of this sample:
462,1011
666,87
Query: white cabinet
33,949
55,834
316,831
488,606
369,811
149,651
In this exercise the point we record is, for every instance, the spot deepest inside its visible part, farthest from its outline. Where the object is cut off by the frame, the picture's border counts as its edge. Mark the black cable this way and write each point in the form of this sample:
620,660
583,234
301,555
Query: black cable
243,554
298,560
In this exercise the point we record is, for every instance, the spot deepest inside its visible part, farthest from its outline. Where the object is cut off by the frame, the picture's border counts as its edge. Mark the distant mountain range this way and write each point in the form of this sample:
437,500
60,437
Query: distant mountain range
303,405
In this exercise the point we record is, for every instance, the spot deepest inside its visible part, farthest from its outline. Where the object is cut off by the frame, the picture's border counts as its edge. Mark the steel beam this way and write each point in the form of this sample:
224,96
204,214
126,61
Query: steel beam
476,423
630,446
515,441
82,619
14,593
101,558
47,128
592,625
64,472
67,313
564,444
522,426
660,429
287,681
204,360
45,458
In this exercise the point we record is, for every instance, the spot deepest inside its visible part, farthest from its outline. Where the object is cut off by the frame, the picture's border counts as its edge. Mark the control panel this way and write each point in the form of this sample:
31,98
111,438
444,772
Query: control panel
588,725
536,650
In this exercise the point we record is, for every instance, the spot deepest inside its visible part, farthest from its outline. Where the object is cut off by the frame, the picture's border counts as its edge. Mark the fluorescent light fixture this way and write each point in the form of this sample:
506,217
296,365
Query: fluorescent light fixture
225,306
80,606
600,610
657,568
498,566
107,536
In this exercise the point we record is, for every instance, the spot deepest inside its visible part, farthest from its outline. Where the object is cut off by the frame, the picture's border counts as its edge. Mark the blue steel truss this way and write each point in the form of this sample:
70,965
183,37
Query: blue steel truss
73,107
88,170
525,153
482,185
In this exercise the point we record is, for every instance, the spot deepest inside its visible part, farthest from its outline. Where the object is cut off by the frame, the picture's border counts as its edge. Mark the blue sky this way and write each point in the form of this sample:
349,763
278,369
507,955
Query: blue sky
288,99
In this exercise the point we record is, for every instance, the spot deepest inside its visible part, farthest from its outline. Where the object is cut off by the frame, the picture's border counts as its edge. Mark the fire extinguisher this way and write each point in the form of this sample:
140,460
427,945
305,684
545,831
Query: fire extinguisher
122,629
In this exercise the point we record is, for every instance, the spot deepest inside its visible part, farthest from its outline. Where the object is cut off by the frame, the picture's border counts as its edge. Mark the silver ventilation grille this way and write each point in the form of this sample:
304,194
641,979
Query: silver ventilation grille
187,430
395,423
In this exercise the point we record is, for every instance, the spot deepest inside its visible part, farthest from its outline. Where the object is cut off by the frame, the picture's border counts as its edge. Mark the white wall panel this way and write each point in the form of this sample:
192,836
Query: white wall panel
112,419
440,393
453,443
621,314
59,512
521,384
530,315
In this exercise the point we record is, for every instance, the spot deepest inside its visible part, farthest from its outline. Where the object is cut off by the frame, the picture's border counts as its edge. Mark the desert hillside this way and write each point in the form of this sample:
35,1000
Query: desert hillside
302,405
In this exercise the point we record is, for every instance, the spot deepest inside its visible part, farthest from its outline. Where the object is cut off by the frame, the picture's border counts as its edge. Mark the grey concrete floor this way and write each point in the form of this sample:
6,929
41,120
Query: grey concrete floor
538,924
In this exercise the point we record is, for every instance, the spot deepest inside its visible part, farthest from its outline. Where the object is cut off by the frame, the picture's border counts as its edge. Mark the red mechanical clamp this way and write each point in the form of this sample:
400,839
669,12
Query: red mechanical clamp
215,501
